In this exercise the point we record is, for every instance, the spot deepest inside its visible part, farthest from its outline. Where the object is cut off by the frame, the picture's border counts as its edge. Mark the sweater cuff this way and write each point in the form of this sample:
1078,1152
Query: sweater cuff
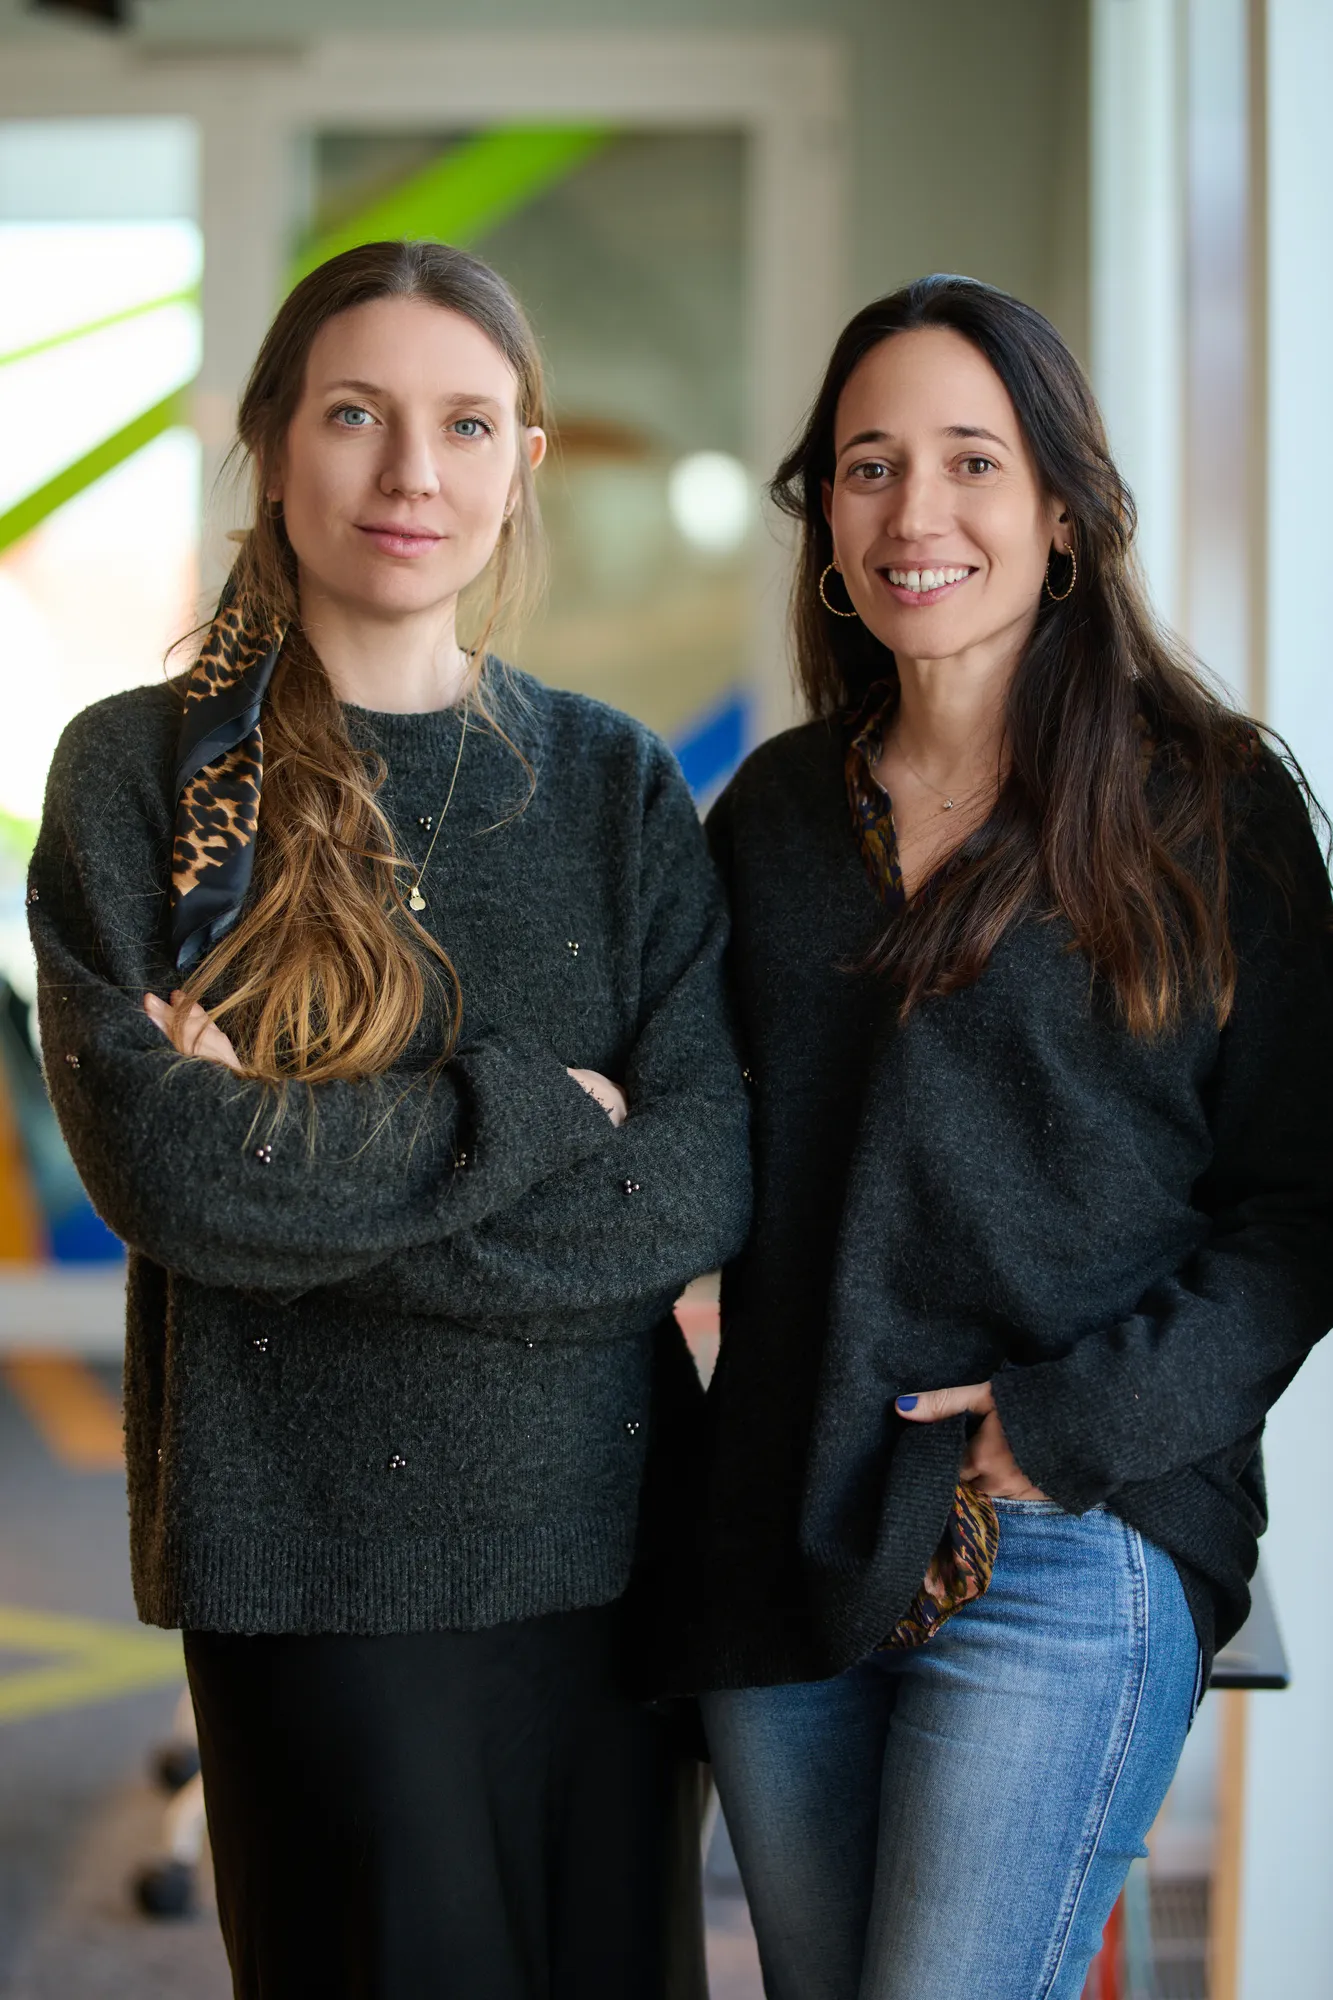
553,1120
1058,1433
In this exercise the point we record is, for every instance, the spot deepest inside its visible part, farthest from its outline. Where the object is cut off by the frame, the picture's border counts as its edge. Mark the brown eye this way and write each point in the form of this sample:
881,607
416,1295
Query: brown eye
978,466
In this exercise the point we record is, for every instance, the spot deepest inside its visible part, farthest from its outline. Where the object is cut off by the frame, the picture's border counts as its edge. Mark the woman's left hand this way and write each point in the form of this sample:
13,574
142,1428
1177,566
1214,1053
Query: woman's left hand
988,1463
195,1035
609,1095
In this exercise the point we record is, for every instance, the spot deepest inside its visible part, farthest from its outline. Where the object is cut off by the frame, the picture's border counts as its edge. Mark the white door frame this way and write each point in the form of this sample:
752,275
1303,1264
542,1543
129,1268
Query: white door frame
783,91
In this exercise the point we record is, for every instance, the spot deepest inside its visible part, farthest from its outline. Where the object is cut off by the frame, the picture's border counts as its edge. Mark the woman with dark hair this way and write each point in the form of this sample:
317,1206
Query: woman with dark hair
381,1000
1032,961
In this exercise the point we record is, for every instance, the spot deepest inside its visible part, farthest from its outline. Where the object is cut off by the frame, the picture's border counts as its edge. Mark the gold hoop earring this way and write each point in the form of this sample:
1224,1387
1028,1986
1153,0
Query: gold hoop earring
1058,597
823,598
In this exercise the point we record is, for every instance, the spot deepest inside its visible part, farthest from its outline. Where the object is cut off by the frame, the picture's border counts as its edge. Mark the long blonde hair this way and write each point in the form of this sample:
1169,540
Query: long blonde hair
327,973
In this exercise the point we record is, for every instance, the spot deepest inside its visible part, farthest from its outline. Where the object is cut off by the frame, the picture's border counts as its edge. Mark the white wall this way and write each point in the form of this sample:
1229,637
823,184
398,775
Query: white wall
1300,345
1171,347
1287,1902
1136,258
1218,525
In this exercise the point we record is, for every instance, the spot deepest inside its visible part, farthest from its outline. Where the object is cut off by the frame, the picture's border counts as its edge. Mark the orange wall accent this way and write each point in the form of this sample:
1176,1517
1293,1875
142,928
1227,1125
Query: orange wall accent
76,1416
22,1230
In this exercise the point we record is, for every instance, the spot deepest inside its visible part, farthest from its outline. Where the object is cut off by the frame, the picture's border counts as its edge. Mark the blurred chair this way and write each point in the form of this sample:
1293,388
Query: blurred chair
169,1886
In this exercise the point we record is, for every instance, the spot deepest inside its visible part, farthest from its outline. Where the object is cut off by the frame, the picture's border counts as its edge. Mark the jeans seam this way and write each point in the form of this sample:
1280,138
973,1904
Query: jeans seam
1135,1541
1198,1694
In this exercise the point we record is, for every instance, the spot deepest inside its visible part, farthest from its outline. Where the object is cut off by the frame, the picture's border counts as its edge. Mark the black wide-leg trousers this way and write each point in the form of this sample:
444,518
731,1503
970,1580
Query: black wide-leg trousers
445,1816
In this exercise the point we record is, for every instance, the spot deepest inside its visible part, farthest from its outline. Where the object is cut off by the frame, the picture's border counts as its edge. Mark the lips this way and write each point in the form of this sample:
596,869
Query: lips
394,540
922,585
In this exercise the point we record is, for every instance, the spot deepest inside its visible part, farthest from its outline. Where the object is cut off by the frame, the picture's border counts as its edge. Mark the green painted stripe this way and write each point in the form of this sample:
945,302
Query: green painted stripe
185,298
465,192
33,509
18,837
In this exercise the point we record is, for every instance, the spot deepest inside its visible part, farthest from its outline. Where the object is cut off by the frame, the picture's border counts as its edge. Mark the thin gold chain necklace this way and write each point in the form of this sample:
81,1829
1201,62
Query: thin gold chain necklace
950,802
416,901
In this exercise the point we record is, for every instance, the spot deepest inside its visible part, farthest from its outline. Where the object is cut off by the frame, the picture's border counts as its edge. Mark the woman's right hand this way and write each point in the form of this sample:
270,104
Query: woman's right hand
609,1095
193,1033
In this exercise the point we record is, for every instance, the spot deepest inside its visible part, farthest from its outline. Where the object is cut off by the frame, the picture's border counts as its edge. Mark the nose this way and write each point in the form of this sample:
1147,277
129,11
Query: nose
409,468
917,506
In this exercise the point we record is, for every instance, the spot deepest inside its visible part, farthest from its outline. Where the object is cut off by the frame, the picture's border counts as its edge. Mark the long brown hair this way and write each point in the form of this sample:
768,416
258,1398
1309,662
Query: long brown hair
1112,812
327,973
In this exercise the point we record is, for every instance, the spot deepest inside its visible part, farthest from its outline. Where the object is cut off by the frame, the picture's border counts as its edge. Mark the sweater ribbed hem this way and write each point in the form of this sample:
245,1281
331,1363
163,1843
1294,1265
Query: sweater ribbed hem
270,1583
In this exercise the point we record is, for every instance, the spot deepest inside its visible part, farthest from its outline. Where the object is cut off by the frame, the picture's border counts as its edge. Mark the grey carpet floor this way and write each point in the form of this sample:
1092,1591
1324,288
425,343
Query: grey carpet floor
78,1816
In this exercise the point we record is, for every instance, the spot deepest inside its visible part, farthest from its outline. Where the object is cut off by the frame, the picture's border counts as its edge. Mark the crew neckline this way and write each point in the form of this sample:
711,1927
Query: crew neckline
402,728
413,725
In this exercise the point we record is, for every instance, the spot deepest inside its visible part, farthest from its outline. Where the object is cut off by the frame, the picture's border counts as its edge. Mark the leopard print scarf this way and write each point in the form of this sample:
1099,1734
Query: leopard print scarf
219,770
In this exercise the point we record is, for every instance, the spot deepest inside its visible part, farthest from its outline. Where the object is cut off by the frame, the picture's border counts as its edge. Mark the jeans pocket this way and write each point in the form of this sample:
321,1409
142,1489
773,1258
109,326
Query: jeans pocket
1026,1506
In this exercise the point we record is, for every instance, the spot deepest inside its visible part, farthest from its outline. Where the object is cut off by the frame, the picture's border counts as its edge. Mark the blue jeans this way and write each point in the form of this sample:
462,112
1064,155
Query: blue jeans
956,1822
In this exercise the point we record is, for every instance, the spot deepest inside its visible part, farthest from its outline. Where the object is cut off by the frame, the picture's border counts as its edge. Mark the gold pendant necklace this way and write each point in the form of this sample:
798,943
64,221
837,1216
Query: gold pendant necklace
416,901
950,803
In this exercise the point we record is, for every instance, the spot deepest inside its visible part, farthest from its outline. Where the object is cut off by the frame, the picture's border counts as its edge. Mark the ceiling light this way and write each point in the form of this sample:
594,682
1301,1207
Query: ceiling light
709,496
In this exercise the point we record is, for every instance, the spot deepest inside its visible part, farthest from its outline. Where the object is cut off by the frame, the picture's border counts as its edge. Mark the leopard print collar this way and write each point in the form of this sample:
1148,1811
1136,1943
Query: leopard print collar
219,771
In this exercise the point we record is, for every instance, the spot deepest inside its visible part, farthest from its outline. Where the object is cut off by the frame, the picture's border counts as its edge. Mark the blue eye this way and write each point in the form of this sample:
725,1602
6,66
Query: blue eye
351,417
471,427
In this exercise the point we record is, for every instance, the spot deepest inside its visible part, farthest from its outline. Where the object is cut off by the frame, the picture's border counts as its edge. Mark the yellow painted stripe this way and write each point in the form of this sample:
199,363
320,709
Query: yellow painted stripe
78,1420
25,1631
42,1690
94,1661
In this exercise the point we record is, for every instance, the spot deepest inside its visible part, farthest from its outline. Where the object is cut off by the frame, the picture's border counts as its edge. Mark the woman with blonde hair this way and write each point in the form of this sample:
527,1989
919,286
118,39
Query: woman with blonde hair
379,993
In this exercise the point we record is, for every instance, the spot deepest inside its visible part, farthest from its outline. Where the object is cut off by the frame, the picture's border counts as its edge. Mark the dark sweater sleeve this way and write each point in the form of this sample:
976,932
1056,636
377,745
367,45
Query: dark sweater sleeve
181,1157
669,1196
1210,1349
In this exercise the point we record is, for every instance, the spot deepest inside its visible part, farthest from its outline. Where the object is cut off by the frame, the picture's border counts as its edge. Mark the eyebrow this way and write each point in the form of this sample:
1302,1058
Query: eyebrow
377,389
949,431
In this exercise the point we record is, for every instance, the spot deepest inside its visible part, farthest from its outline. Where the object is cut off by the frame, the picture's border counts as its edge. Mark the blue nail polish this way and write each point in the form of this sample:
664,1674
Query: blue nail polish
907,1402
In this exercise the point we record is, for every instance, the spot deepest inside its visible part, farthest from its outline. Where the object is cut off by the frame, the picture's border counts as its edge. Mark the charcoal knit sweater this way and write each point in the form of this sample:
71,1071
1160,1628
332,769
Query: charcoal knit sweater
1133,1237
388,1364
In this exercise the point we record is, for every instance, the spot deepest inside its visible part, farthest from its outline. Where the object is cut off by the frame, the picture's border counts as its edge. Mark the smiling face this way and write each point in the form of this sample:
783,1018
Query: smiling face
401,458
940,527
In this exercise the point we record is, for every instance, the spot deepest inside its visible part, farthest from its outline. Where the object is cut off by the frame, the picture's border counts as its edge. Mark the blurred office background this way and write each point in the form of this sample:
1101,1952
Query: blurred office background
690,197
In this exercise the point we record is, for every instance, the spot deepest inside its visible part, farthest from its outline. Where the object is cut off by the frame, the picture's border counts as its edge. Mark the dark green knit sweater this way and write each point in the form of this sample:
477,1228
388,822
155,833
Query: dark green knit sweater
388,1365
1132,1237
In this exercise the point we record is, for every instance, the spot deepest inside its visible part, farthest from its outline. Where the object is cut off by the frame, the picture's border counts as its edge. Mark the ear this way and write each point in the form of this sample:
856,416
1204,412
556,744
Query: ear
533,441
1061,527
